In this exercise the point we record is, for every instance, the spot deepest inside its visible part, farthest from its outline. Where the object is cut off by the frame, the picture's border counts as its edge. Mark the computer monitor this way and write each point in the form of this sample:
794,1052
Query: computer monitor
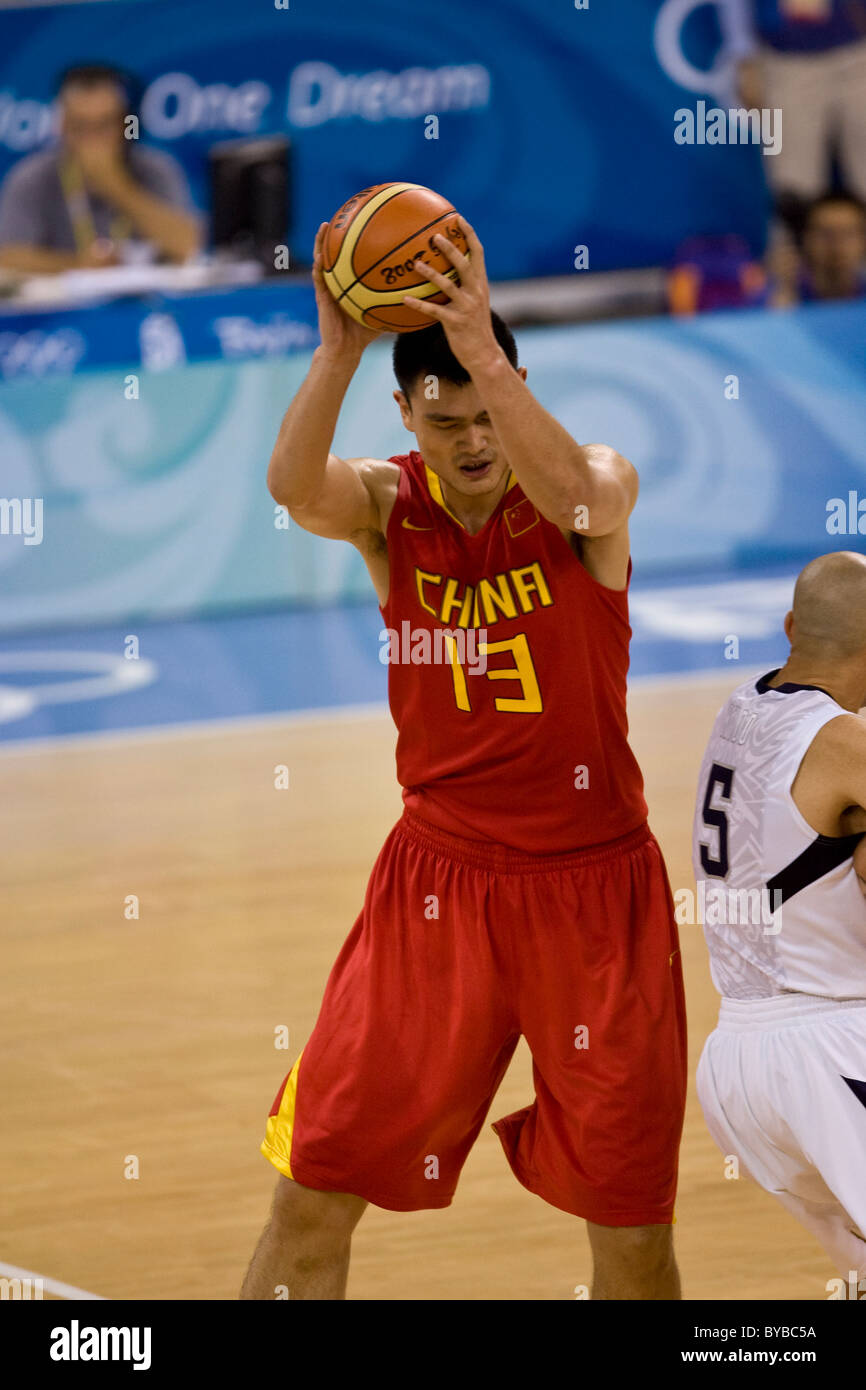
250,198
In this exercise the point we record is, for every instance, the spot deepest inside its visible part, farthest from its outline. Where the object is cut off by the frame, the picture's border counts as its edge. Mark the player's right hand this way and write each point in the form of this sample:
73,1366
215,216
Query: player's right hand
341,336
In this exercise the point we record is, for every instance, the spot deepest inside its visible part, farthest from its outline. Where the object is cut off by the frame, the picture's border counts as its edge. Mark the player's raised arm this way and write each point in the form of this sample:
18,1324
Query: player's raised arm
323,493
590,487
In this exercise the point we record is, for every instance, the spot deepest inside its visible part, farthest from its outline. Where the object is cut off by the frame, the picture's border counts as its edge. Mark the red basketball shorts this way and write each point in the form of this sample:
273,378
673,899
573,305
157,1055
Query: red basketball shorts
460,948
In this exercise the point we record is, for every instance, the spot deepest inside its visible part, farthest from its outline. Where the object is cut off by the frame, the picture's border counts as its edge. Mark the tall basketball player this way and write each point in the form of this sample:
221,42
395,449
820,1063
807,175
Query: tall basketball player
780,811
522,892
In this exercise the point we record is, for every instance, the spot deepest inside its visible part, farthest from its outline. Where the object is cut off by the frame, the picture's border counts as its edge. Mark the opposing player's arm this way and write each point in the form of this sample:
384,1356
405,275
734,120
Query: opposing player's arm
854,820
841,763
852,757
860,864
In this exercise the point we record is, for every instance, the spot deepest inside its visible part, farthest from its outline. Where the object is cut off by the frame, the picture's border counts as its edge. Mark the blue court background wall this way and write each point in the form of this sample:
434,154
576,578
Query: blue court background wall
157,507
556,123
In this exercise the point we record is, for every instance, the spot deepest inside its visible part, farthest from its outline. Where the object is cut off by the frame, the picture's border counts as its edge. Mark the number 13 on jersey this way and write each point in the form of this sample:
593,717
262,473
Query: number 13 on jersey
523,671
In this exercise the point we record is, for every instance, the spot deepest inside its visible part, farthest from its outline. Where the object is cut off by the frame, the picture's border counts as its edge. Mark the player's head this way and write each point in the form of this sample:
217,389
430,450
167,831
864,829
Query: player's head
827,623
94,99
442,408
834,243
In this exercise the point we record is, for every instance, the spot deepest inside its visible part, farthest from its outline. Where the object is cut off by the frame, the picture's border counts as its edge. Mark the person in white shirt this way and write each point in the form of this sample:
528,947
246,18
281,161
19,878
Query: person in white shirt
779,823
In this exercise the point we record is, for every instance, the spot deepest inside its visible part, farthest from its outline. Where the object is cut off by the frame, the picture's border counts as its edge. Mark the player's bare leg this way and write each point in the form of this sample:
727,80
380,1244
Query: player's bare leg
305,1246
633,1262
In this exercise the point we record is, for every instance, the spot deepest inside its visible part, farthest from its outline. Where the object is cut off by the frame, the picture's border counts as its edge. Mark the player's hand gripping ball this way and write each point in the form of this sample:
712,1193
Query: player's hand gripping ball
370,248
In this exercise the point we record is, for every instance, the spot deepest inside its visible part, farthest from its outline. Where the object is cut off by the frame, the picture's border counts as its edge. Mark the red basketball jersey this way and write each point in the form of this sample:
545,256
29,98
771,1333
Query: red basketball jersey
507,676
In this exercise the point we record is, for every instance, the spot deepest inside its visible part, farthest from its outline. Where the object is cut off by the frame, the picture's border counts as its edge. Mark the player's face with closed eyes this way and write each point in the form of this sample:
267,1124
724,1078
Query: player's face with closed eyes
455,435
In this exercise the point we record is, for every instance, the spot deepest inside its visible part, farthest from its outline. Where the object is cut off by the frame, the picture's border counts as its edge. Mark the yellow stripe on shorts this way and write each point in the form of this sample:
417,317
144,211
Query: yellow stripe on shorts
277,1143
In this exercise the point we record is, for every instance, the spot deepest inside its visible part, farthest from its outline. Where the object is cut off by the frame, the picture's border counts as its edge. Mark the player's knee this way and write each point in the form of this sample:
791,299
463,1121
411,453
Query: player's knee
301,1211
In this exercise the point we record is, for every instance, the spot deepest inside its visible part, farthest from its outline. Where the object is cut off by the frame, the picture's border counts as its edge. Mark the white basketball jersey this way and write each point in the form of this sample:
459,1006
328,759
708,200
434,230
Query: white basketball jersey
781,905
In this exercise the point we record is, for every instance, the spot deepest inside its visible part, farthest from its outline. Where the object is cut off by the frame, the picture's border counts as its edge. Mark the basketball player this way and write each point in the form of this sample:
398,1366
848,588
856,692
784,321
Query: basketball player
522,892
781,798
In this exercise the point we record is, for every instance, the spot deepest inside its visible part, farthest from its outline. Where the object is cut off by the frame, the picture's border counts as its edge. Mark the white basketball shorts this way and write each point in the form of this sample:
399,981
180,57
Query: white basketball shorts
773,1082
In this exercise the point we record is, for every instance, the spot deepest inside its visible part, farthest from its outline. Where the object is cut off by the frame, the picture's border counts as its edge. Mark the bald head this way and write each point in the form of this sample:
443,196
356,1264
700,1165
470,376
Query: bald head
830,608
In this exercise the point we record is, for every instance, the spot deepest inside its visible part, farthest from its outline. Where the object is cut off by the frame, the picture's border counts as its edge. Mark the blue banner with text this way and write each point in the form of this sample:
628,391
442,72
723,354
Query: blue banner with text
550,126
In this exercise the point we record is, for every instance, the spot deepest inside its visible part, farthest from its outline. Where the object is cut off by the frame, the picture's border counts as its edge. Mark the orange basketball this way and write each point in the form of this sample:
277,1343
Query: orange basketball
371,245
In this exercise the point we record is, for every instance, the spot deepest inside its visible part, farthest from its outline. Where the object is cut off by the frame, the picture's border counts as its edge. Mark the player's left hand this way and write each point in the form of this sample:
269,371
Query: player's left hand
466,317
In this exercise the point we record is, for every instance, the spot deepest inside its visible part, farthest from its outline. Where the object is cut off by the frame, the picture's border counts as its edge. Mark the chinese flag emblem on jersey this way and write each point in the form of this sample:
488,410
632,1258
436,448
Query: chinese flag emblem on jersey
521,517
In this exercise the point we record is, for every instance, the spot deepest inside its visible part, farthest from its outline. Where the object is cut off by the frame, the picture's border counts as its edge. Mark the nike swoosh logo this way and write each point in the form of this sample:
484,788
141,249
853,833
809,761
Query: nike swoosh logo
410,525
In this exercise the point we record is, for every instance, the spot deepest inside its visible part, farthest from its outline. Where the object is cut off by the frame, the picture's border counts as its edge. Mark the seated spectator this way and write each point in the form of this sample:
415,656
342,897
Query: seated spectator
832,261
97,198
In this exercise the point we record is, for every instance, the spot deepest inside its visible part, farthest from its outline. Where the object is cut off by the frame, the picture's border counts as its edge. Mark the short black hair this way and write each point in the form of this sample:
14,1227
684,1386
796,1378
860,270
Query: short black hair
426,353
99,75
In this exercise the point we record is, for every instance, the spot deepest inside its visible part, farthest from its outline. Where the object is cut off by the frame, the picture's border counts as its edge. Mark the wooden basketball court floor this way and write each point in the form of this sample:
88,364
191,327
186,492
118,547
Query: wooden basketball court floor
153,1039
